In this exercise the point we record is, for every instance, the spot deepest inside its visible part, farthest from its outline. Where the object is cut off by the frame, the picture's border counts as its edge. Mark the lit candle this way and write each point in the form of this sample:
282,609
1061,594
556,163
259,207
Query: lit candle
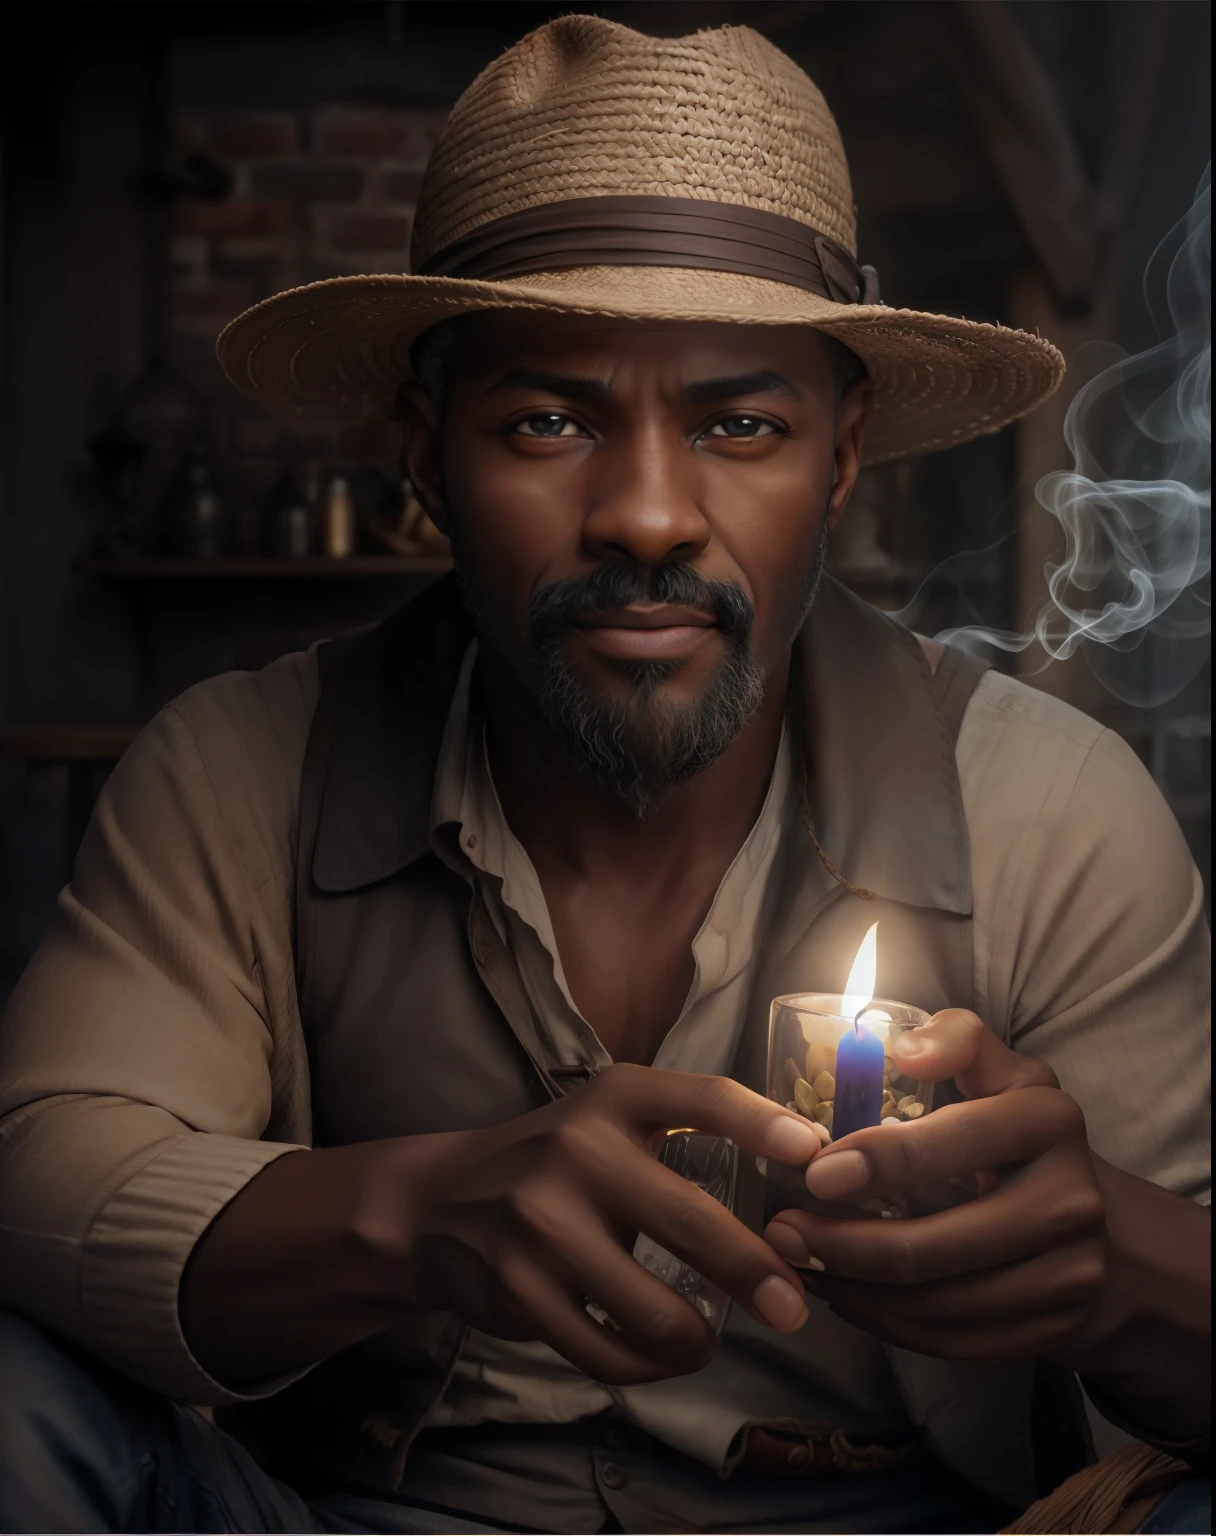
859,1056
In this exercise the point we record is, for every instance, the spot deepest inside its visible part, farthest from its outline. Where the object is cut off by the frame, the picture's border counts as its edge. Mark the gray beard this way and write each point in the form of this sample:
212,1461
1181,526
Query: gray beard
643,748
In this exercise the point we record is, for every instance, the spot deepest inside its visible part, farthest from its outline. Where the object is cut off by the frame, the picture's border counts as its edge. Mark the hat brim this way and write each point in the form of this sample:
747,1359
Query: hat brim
338,350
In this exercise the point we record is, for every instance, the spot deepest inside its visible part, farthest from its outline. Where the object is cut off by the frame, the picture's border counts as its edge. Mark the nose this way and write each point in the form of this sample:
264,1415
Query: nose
645,506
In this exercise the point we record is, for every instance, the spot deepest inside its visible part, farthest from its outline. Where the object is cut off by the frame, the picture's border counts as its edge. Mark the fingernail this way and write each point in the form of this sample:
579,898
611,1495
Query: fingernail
838,1174
790,1245
779,1304
790,1140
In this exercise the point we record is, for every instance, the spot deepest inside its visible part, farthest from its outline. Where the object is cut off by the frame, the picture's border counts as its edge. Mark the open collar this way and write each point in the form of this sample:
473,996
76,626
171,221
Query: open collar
884,787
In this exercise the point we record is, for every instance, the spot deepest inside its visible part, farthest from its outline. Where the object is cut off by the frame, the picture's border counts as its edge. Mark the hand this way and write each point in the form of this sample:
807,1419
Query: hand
516,1227
1019,1272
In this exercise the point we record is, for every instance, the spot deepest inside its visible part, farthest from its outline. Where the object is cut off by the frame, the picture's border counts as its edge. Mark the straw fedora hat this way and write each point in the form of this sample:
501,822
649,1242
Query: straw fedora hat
594,170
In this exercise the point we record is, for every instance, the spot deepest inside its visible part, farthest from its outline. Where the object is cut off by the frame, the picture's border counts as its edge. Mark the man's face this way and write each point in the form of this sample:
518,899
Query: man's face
638,513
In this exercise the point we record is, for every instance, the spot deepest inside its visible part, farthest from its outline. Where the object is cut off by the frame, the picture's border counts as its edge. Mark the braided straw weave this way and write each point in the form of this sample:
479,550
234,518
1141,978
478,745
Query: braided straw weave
1094,1498
584,107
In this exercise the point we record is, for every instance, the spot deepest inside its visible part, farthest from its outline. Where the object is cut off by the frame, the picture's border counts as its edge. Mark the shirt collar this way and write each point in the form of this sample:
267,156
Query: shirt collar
883,783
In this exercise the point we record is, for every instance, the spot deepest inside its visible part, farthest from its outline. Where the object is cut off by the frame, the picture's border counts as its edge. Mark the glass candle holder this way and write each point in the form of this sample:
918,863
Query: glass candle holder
712,1164
805,1033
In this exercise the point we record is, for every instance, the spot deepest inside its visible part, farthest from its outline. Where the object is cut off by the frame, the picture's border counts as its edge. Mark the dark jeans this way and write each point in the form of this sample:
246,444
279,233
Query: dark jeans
83,1449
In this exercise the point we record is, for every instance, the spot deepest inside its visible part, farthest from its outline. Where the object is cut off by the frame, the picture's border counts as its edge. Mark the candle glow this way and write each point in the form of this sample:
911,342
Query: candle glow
859,989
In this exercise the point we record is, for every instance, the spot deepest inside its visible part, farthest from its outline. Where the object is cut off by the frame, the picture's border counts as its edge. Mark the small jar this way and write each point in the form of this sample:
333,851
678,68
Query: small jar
288,520
338,519
198,515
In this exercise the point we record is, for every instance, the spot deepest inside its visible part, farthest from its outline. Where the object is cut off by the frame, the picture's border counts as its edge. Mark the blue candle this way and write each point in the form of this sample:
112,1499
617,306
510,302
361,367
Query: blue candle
859,1068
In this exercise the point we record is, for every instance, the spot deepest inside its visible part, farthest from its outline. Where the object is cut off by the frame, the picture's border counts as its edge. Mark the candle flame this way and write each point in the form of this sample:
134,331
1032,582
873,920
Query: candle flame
859,989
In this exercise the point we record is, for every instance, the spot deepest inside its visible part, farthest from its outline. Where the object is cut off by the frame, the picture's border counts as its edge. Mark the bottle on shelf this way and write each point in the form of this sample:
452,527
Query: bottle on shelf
290,523
338,519
198,518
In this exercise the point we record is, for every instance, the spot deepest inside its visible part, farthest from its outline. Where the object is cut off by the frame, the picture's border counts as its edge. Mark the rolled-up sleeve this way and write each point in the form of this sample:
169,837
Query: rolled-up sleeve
1093,952
135,1070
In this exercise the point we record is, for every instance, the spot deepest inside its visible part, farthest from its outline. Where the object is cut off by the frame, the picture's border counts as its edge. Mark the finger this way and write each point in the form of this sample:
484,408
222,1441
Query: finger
1065,1278
662,1325
955,1044
649,1099
563,1323
954,1141
1040,1208
635,1192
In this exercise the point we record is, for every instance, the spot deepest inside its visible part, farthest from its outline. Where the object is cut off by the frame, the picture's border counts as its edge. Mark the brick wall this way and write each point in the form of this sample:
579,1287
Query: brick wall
318,193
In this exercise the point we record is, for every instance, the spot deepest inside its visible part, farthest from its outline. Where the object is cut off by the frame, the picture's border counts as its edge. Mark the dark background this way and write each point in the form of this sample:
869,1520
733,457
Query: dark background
165,165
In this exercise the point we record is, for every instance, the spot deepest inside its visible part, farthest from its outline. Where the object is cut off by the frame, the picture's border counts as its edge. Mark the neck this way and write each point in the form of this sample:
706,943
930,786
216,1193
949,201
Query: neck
566,821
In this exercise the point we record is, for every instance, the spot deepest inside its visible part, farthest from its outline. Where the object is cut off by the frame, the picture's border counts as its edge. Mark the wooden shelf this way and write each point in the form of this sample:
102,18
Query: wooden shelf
66,744
263,568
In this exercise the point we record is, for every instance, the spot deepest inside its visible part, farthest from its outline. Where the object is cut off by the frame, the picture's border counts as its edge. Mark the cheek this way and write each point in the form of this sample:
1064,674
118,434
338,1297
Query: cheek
770,522
516,520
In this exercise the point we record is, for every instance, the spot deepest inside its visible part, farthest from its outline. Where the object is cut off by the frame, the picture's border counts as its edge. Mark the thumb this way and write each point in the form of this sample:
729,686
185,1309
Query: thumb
955,1043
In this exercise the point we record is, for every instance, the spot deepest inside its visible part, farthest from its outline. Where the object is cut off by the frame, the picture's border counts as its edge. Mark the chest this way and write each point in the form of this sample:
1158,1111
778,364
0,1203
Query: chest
627,957
404,1036
415,1021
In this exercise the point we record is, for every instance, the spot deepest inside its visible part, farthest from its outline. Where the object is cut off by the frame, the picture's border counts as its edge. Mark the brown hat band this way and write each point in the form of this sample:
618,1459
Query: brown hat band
658,232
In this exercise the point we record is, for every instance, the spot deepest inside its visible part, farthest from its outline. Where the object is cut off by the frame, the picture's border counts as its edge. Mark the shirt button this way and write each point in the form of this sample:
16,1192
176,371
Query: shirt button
471,840
614,1476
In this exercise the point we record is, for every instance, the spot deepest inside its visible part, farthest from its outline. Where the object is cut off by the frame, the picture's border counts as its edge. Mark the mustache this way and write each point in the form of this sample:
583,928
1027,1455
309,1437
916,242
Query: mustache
562,603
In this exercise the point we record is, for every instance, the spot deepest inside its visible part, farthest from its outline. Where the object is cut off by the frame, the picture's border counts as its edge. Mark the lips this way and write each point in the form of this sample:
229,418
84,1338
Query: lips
646,631
647,616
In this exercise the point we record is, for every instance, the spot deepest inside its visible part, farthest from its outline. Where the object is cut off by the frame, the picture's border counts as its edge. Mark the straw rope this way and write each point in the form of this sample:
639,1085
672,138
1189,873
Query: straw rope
585,107
1094,1498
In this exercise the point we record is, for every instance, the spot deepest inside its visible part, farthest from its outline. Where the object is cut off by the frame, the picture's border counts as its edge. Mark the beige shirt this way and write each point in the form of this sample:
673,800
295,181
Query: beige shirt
152,1059
529,1383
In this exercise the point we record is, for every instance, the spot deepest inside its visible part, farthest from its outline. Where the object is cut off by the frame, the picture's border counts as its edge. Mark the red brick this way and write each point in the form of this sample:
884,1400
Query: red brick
220,296
259,261
370,232
399,184
190,132
308,181
205,311
378,132
205,326
189,257
319,271
194,356
251,135
235,216
253,434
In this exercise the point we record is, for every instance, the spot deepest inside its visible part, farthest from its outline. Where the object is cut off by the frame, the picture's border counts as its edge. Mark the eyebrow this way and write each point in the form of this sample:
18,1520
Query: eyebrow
552,384
763,381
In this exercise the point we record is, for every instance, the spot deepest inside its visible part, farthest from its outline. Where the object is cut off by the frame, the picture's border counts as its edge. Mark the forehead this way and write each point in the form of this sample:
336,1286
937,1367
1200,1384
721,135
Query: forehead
600,346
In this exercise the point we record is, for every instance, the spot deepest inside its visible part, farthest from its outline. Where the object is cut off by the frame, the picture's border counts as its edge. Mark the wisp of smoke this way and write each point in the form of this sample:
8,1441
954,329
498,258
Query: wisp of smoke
1137,522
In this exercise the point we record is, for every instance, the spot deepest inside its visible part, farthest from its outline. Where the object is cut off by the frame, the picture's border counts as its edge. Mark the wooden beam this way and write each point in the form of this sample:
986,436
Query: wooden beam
1016,112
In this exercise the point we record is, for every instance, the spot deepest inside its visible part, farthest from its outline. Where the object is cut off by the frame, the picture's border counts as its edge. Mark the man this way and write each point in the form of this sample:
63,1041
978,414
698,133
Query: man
480,905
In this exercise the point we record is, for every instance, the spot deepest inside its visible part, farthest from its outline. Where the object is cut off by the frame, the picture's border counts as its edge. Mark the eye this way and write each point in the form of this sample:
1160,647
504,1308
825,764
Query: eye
547,424
743,427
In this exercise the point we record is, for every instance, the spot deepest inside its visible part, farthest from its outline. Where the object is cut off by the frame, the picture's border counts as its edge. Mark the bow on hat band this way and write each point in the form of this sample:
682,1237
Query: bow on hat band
658,232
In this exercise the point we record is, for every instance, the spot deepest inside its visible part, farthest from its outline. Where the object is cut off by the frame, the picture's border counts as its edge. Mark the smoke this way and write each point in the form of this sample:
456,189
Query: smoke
1135,509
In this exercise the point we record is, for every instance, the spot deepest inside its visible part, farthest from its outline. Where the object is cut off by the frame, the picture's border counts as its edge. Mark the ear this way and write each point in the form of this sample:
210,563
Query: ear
421,455
851,416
